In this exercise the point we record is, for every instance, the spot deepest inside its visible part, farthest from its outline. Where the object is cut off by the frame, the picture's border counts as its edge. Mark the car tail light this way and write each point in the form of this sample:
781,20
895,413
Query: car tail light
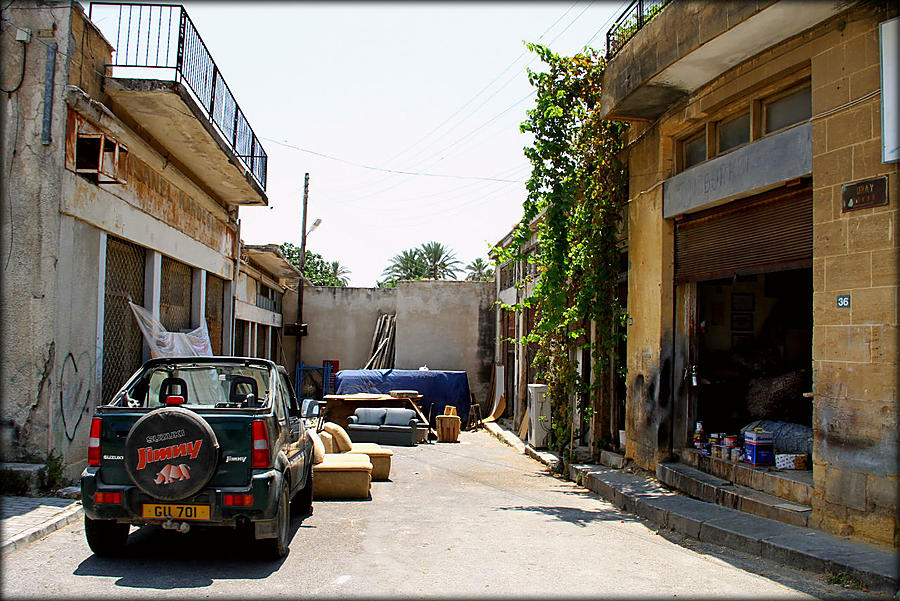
174,399
259,433
239,500
108,497
94,442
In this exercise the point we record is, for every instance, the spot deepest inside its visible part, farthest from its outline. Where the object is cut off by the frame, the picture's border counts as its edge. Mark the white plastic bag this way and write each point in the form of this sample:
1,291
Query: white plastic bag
163,343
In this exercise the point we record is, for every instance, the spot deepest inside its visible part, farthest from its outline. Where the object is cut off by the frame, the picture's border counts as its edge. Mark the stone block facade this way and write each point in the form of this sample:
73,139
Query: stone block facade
854,348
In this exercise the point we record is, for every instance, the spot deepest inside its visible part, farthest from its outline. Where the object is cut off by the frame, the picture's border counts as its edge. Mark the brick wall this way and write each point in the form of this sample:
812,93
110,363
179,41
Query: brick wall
854,349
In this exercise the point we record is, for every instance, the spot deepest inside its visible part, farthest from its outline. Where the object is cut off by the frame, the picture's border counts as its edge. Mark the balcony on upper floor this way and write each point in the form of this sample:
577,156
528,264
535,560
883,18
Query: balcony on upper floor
661,51
163,79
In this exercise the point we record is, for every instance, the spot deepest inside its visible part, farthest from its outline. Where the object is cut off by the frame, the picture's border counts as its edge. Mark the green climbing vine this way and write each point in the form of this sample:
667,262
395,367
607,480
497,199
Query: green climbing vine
576,194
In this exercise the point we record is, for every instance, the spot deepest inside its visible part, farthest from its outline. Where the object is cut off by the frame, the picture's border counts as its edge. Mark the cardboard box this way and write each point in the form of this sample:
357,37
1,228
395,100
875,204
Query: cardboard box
759,454
791,461
759,436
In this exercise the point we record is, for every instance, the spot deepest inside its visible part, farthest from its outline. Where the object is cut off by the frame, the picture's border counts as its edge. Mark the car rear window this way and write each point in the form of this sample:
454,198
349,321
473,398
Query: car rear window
221,386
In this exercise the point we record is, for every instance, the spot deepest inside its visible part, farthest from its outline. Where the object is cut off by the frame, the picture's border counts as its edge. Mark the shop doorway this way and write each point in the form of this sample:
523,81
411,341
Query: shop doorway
754,350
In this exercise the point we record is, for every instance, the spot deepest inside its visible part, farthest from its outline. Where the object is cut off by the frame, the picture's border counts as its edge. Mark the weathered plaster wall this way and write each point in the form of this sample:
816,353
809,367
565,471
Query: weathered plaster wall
855,369
78,388
32,360
442,324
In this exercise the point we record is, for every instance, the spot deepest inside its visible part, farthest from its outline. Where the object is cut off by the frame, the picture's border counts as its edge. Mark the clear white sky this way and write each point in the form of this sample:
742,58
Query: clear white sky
436,88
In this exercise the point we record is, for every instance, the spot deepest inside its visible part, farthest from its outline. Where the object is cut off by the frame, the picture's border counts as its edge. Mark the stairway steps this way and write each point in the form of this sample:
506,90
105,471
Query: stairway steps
712,489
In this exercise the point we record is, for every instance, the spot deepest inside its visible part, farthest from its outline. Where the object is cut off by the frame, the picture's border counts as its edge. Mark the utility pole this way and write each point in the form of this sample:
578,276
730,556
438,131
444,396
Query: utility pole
300,329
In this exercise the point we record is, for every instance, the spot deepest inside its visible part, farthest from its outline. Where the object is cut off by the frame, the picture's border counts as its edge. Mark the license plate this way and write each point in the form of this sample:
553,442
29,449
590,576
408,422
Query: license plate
176,512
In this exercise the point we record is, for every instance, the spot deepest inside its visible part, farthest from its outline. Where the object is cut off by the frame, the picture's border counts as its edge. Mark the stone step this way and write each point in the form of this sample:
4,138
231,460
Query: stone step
712,489
20,479
793,485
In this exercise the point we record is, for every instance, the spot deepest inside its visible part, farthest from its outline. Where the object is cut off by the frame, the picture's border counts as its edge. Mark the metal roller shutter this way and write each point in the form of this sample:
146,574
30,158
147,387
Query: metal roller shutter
768,232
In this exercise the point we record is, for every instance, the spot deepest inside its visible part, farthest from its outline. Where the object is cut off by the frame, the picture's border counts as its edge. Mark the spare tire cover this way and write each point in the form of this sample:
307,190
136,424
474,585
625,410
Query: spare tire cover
171,453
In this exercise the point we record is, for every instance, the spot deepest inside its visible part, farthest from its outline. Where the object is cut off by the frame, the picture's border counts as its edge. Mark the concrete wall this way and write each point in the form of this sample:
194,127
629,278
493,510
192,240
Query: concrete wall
443,324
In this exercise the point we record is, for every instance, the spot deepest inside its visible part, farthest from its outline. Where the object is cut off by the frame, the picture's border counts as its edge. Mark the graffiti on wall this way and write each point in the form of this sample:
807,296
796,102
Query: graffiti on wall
76,378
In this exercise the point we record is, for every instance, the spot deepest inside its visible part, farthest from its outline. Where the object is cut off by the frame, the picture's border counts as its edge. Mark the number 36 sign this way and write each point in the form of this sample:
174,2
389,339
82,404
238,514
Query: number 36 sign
843,301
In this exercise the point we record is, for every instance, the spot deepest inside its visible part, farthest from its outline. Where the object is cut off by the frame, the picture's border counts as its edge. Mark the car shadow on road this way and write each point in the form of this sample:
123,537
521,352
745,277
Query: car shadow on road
155,558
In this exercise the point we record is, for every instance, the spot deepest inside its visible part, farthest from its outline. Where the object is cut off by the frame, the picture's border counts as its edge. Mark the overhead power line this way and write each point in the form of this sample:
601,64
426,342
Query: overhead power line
395,171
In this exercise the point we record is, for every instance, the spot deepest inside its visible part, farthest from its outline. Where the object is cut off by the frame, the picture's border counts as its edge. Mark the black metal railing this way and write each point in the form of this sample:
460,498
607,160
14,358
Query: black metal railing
638,14
162,36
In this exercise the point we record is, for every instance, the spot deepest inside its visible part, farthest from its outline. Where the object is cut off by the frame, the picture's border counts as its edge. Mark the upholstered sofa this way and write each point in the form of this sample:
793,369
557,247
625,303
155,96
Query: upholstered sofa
339,475
337,440
386,425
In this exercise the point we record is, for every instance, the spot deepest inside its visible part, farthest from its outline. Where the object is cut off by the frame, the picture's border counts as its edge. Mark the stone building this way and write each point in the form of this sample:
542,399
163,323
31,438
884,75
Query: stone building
123,174
762,240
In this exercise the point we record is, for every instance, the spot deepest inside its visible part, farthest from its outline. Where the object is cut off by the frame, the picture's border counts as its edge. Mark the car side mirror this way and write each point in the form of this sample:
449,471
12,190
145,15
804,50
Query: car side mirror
310,409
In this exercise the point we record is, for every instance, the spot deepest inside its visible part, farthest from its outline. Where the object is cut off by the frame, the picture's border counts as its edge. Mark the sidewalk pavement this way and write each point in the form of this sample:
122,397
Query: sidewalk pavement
798,547
26,519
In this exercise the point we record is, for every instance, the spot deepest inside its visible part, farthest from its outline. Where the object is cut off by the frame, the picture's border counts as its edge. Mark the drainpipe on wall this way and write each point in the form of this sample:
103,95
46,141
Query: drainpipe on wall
234,282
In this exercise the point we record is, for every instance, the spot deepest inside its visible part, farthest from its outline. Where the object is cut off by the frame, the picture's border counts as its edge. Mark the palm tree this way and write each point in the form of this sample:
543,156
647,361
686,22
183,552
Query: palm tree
339,272
440,262
479,271
408,265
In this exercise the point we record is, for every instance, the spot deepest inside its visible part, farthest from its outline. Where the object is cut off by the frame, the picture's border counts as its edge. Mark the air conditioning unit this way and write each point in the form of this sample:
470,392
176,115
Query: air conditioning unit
538,415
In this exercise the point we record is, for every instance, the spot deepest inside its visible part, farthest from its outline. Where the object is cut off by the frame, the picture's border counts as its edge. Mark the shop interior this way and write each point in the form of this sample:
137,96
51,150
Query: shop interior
755,354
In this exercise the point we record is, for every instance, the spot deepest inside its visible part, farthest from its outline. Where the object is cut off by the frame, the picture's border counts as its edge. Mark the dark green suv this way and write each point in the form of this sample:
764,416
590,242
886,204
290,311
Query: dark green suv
198,440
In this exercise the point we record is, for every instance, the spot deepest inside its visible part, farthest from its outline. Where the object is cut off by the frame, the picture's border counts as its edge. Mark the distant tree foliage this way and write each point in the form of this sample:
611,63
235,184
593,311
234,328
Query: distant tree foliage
317,270
479,271
432,260
440,262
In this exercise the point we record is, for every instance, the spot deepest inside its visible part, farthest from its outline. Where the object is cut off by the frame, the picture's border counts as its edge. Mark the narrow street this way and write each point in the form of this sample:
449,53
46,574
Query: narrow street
473,519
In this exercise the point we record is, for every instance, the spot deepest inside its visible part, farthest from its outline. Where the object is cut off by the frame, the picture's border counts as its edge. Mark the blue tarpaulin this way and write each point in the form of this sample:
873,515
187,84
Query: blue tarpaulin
437,387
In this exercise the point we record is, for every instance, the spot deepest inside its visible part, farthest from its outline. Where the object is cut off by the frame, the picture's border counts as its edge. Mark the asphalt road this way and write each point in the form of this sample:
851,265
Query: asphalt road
472,519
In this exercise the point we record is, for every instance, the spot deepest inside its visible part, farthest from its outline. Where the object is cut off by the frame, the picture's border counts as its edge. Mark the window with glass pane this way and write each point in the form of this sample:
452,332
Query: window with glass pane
734,132
694,151
788,110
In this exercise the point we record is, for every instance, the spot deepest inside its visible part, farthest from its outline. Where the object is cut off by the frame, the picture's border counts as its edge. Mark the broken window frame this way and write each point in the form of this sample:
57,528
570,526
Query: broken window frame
110,160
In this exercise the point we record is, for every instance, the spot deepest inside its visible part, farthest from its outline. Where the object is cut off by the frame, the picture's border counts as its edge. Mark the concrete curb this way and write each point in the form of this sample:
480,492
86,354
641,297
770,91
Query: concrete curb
796,546
64,518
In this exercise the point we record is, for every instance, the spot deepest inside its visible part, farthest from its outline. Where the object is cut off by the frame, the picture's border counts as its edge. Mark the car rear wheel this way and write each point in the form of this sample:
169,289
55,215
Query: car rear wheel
105,537
276,548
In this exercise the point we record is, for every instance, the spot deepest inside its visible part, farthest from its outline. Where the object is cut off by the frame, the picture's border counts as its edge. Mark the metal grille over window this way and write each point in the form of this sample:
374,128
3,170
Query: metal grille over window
240,337
261,340
175,295
215,302
122,341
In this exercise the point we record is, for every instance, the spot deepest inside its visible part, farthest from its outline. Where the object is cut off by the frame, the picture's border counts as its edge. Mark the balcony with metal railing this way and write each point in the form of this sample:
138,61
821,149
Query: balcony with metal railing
661,51
632,19
163,78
